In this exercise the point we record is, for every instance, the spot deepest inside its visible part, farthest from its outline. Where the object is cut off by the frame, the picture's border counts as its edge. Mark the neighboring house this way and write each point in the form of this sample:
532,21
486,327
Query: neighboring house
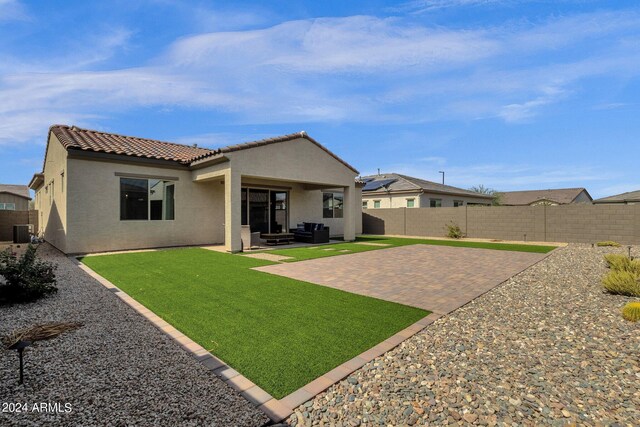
629,198
393,190
14,197
102,192
551,197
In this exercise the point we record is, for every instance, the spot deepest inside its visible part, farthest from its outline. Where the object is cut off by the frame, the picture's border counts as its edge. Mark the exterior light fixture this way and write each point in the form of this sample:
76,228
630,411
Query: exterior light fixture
20,346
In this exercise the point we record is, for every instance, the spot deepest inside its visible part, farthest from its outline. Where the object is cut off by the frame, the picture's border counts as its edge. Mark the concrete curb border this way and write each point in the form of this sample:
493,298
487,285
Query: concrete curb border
276,410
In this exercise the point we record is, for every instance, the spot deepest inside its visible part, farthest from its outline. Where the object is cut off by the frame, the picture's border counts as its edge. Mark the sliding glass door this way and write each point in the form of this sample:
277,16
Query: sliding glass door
278,213
265,211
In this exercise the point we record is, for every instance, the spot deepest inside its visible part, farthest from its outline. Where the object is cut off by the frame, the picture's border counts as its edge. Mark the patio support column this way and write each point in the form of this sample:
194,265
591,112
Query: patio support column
350,212
232,211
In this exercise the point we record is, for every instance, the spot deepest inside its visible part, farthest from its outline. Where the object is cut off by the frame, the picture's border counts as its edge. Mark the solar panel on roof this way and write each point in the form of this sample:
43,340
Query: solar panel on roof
367,179
374,185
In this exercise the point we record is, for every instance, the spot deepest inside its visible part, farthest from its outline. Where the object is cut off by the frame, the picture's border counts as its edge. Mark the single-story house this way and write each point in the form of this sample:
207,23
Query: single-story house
393,190
628,198
101,191
14,197
551,197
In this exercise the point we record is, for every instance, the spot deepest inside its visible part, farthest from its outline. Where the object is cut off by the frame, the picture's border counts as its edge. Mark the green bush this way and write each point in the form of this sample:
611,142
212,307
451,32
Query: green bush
26,278
454,231
619,262
622,283
631,311
609,243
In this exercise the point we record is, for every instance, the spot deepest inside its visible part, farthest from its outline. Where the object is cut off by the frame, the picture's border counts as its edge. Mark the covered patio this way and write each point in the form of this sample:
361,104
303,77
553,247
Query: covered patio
271,188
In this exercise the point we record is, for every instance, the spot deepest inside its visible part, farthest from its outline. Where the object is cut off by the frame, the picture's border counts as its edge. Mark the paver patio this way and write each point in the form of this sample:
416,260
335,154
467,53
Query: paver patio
435,278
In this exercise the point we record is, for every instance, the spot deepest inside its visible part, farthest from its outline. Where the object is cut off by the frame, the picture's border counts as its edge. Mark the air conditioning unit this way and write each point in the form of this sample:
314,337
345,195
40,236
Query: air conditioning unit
21,233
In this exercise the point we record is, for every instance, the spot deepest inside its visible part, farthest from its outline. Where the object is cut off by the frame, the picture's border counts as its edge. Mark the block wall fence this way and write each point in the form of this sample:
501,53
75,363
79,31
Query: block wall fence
579,223
10,218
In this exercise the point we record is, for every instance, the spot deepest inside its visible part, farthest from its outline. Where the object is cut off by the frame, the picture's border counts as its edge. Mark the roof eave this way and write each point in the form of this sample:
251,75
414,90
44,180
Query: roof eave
36,181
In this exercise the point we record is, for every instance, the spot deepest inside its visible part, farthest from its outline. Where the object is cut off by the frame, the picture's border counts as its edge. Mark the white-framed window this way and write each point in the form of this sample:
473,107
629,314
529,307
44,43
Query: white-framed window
411,203
7,206
365,204
435,203
147,199
457,203
332,205
376,204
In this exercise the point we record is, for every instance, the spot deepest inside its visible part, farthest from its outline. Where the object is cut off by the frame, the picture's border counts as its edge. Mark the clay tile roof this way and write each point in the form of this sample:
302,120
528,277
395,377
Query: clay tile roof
72,137
561,196
16,190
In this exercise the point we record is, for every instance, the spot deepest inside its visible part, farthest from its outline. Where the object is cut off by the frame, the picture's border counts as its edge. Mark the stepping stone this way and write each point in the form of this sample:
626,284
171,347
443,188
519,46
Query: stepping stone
329,249
373,244
269,257
345,250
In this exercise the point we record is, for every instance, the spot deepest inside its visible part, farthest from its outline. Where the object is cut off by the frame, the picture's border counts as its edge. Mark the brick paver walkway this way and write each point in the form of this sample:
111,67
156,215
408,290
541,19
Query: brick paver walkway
436,278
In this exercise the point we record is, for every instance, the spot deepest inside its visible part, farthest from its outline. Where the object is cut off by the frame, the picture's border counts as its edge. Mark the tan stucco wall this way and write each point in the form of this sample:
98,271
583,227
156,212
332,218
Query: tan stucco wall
91,192
421,200
292,164
304,206
391,200
94,214
21,203
51,198
582,198
298,160
447,201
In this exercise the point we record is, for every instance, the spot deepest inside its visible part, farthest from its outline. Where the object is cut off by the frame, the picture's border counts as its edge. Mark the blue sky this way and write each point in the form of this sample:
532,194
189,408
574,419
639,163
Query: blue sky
505,93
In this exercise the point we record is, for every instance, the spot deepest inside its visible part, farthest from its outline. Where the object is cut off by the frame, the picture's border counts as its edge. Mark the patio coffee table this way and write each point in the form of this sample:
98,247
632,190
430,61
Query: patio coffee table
273,239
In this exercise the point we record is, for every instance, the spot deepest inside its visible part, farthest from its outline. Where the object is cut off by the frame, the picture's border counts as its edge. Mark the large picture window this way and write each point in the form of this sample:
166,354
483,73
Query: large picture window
144,199
332,205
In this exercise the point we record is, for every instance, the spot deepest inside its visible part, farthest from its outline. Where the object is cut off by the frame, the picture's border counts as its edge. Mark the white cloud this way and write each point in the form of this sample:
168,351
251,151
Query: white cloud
357,44
422,6
357,68
507,177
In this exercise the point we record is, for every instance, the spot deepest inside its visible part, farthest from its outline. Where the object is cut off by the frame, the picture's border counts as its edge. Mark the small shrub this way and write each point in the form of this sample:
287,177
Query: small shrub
619,262
454,231
26,278
608,243
631,311
622,283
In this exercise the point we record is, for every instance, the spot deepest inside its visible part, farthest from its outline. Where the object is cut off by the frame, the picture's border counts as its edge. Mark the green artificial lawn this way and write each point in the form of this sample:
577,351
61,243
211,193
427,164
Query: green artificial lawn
278,332
321,251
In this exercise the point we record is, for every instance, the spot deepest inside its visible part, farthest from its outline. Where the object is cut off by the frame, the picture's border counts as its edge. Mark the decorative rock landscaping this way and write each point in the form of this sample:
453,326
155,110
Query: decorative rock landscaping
547,347
117,369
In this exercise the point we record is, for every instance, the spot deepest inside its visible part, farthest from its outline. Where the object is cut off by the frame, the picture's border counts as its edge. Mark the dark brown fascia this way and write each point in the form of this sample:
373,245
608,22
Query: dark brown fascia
75,153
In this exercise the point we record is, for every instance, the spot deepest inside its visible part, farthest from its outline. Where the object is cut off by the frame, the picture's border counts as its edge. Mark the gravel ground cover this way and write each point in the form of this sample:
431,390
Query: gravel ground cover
116,370
548,347
278,332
